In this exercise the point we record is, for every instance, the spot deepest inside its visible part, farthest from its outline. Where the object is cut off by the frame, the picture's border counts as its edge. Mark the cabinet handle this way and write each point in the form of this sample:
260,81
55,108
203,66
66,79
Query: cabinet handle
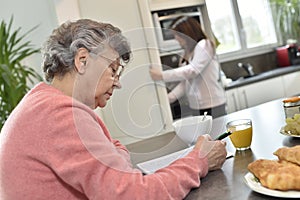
235,102
245,98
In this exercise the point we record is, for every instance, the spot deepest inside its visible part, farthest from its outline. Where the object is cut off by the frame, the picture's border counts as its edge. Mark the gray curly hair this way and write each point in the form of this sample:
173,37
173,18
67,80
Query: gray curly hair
60,48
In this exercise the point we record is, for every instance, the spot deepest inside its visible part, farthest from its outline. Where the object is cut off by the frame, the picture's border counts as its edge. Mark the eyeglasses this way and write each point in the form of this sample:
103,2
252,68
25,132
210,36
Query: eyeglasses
116,67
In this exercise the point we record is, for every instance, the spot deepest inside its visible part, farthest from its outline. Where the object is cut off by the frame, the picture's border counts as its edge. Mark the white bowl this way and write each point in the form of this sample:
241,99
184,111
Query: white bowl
190,128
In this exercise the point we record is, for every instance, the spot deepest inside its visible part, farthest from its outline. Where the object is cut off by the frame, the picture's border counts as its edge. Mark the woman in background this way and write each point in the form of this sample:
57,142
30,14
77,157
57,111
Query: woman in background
54,146
199,74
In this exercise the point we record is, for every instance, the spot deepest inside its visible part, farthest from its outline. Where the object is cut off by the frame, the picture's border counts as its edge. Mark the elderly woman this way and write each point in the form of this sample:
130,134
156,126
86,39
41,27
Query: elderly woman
53,146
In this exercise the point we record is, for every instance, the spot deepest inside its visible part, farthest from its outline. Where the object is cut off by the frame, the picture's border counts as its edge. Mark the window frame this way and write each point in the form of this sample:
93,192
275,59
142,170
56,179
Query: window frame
245,51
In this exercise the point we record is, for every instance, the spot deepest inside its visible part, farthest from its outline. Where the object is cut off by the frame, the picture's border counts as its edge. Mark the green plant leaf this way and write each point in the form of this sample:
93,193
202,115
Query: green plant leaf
15,76
286,14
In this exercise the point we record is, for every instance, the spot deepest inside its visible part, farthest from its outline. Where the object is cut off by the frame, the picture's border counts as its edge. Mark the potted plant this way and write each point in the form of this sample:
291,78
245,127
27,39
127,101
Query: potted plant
14,75
286,15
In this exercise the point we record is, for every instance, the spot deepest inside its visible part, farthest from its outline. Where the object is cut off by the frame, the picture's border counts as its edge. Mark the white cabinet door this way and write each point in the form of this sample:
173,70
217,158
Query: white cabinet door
291,83
141,108
232,101
260,92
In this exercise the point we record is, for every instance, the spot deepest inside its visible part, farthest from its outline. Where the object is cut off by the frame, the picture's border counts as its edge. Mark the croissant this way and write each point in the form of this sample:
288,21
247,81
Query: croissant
279,175
291,154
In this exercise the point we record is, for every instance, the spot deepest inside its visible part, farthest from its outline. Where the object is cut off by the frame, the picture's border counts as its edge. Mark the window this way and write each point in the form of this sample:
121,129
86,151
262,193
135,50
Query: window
243,28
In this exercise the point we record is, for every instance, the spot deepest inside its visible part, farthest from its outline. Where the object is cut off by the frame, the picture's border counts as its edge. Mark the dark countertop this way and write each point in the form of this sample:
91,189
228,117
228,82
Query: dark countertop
228,183
263,76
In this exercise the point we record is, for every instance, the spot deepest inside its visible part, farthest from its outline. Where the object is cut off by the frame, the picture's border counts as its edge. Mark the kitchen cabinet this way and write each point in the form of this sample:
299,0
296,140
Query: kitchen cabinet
291,83
260,92
233,103
254,94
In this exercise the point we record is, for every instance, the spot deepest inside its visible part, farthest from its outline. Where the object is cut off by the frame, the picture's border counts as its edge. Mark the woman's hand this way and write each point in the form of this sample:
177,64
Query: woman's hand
214,151
156,73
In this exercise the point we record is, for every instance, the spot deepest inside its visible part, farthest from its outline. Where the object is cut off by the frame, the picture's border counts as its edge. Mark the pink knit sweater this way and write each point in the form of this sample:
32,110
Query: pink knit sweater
54,147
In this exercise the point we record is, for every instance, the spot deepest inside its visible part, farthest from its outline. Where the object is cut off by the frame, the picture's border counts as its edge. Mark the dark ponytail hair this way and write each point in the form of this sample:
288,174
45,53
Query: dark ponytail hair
189,29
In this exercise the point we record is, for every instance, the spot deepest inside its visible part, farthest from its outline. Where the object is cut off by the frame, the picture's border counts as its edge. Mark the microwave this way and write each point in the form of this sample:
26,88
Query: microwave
162,19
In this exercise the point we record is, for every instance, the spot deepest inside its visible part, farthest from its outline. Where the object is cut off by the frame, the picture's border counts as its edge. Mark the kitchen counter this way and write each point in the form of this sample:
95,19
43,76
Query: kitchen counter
263,76
228,183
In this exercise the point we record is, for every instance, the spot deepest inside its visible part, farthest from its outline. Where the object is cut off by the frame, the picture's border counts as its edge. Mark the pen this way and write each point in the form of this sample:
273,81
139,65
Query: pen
223,135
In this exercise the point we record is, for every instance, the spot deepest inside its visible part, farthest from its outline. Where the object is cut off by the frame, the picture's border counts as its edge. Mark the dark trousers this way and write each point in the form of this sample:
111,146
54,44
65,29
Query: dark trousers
215,112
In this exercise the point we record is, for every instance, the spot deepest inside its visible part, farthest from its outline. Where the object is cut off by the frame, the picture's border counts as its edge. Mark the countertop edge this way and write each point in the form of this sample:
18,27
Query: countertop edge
263,76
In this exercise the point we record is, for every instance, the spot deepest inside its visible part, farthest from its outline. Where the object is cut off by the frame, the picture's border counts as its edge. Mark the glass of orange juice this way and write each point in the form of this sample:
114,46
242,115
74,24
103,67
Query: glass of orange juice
241,136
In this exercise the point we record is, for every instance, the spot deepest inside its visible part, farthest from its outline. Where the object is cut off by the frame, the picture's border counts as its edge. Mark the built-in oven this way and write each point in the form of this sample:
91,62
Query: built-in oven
162,20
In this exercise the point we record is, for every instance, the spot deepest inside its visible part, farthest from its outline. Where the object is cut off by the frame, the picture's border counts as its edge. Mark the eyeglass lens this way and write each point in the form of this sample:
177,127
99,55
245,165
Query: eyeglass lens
115,66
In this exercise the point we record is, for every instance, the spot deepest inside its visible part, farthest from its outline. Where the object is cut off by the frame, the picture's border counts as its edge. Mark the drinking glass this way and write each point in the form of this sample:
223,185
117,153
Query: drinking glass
241,136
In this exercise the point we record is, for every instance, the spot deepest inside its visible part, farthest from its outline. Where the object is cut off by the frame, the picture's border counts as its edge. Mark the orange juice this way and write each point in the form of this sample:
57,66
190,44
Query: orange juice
241,136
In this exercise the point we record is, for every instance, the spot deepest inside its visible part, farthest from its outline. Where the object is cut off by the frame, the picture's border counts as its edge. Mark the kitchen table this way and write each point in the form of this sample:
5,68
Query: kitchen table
228,183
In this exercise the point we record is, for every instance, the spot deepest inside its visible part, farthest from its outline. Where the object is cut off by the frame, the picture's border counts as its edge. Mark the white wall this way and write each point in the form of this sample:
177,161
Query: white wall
28,14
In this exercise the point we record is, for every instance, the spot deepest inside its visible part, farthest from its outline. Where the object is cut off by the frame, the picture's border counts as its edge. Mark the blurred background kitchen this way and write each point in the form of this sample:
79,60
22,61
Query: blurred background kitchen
258,51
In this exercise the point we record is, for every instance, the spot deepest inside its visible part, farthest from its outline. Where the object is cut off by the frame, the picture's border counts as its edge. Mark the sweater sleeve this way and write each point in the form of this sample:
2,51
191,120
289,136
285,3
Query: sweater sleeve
177,92
88,161
122,150
119,147
203,55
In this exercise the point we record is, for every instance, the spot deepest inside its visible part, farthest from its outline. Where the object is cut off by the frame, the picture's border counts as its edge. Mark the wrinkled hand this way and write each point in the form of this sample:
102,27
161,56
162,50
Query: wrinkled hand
214,150
155,73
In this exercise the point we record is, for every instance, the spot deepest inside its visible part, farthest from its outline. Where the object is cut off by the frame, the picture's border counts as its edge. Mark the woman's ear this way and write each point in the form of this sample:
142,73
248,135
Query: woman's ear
80,60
